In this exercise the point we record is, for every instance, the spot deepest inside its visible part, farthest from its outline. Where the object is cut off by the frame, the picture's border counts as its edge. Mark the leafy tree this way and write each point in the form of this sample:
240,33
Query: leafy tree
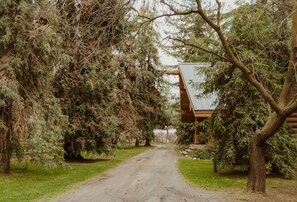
30,51
281,105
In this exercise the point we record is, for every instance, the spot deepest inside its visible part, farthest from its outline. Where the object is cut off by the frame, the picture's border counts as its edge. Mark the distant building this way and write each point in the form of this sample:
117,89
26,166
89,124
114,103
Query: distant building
167,135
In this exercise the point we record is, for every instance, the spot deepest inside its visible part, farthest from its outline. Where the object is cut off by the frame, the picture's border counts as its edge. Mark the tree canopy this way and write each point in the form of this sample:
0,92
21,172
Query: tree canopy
71,79
253,73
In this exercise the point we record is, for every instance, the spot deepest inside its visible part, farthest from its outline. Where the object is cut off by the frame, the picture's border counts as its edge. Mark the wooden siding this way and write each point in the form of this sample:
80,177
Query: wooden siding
203,114
292,121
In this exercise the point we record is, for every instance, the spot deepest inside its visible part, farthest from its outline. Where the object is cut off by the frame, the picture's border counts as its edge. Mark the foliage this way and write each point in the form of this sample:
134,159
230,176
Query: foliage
281,154
207,153
45,139
70,78
241,109
148,100
85,86
30,52
185,133
191,29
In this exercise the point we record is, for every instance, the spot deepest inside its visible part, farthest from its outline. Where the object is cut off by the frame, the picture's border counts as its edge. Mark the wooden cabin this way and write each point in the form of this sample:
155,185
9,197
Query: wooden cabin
193,108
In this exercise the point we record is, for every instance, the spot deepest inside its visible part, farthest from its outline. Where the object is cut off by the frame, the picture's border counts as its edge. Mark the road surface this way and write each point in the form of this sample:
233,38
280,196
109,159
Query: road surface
151,176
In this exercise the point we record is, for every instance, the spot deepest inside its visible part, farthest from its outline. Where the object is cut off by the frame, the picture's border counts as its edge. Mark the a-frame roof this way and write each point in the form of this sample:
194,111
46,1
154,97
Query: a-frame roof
190,75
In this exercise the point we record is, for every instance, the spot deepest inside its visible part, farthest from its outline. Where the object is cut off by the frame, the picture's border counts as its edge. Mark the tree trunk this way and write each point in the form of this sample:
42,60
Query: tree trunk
147,141
6,152
257,148
137,142
215,164
257,175
72,150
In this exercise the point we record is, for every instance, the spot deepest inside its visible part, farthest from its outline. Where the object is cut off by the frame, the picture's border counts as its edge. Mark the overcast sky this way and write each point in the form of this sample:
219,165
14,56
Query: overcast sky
169,60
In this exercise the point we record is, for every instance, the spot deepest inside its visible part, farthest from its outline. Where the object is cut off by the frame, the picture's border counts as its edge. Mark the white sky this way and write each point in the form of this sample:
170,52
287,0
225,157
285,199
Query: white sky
168,59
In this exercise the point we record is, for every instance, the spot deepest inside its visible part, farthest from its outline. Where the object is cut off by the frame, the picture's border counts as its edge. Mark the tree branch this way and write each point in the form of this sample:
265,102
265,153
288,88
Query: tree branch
200,48
178,12
171,8
219,12
292,64
244,69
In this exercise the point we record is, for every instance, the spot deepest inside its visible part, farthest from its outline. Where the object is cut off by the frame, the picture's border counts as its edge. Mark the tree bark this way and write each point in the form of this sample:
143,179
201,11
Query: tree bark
137,142
6,152
257,148
257,175
147,142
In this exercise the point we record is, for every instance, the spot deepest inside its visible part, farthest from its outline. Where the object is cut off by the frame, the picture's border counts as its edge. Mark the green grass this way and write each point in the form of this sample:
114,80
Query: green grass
200,173
37,182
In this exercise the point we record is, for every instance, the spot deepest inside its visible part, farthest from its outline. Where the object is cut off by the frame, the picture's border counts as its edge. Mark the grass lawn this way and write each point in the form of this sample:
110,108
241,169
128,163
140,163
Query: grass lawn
200,173
37,182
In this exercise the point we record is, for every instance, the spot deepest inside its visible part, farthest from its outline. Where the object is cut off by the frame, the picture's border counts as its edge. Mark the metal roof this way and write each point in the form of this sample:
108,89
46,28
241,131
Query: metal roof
189,73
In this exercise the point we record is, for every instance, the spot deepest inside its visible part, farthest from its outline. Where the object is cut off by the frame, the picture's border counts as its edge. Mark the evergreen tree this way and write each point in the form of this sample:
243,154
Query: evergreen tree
148,99
259,58
127,76
91,30
30,51
240,108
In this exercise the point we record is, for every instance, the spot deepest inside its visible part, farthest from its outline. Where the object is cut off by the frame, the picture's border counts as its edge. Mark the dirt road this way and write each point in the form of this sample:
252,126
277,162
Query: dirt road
151,176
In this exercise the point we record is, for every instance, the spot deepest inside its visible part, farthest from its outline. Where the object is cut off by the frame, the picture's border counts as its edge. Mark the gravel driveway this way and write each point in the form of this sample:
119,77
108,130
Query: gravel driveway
150,176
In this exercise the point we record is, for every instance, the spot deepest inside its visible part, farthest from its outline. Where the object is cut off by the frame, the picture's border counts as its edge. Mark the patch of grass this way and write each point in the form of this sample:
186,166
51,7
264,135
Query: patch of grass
200,173
27,184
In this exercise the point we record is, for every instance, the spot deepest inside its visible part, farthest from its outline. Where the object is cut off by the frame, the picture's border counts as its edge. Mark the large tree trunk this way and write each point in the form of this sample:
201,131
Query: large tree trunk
257,175
257,148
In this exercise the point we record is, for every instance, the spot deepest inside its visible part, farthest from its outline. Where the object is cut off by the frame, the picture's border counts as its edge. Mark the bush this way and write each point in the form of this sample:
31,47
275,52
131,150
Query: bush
207,153
185,133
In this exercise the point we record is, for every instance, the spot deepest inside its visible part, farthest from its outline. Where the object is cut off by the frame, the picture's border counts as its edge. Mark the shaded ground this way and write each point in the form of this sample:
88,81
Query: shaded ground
153,176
